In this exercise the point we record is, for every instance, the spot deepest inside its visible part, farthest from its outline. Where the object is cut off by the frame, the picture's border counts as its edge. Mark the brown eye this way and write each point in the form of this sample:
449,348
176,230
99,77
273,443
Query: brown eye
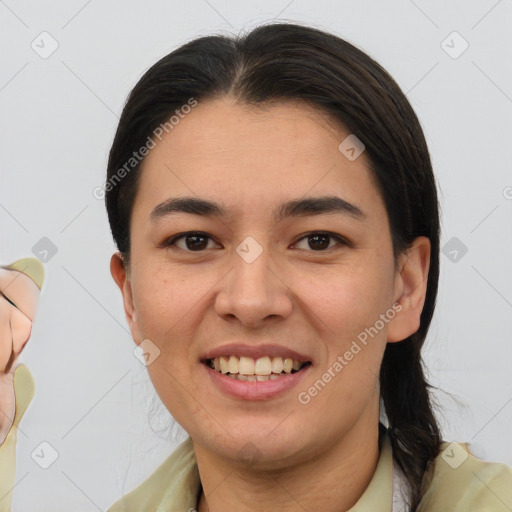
191,241
196,242
321,241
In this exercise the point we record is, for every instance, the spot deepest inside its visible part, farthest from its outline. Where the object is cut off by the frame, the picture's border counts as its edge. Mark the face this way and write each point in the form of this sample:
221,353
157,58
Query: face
294,264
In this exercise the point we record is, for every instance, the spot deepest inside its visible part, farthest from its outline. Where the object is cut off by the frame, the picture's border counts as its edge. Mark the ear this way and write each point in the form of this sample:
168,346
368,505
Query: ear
122,278
410,290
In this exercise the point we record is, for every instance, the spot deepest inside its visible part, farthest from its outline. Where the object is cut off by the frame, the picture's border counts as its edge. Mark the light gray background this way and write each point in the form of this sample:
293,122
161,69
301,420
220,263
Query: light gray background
58,117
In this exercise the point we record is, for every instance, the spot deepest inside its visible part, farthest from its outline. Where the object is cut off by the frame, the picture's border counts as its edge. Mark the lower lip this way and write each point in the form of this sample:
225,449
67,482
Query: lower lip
256,390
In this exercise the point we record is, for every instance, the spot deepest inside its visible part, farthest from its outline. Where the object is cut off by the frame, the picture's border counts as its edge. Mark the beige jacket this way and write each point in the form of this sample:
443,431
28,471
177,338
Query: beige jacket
459,482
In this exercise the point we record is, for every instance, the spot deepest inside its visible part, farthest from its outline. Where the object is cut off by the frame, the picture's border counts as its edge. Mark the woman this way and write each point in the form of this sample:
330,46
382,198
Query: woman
288,211
276,215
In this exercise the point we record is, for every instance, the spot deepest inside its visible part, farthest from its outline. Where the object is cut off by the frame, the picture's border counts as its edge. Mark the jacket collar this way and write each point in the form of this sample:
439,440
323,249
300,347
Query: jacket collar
176,485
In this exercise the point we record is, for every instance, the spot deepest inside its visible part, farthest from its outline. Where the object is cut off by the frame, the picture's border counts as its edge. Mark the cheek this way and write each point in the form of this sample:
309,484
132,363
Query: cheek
349,299
168,311
160,302
350,305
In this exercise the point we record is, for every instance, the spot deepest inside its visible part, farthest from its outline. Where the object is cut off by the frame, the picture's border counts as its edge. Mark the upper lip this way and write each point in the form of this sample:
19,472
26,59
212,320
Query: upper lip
255,351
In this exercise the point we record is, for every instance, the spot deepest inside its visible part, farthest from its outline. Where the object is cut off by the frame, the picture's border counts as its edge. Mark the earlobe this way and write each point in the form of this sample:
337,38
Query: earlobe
411,289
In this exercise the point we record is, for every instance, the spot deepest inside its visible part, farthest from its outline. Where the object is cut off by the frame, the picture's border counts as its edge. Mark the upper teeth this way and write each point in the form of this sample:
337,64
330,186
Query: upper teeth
249,366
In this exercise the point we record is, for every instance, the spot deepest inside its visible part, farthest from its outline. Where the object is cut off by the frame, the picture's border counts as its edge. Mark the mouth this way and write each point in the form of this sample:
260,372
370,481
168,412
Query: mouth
253,369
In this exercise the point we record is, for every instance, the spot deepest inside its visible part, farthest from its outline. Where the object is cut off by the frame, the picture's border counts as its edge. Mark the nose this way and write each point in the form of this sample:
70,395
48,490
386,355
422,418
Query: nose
254,293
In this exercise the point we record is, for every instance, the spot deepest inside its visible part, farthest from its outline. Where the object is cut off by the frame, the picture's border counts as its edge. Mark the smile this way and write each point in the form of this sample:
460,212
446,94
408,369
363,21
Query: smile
255,369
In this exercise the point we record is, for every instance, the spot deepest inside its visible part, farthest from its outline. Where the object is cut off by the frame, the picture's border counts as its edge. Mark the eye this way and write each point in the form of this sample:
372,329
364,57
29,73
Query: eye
320,241
193,241
196,241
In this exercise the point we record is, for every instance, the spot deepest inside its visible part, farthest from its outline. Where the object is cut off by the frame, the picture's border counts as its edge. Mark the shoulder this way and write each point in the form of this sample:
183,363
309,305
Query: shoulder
174,483
459,481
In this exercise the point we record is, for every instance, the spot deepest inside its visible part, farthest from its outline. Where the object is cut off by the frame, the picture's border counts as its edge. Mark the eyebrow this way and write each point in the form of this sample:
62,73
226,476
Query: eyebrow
294,208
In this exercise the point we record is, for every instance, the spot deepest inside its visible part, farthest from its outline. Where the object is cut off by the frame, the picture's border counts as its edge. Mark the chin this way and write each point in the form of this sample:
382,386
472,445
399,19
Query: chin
264,444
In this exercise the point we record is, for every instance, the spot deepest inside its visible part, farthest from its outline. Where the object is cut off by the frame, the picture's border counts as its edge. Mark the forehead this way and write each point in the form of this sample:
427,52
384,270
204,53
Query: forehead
254,155
225,129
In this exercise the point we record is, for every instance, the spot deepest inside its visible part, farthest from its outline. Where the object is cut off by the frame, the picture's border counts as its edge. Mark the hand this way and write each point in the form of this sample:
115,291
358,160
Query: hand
19,294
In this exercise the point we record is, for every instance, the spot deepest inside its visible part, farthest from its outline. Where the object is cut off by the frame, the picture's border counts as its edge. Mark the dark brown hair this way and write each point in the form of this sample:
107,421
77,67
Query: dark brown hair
280,62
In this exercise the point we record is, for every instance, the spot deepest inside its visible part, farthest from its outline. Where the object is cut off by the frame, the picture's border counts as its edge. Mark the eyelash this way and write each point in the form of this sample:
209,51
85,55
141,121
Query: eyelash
341,240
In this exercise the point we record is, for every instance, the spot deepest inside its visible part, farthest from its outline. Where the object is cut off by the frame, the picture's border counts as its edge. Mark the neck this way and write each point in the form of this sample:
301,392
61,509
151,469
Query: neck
332,481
